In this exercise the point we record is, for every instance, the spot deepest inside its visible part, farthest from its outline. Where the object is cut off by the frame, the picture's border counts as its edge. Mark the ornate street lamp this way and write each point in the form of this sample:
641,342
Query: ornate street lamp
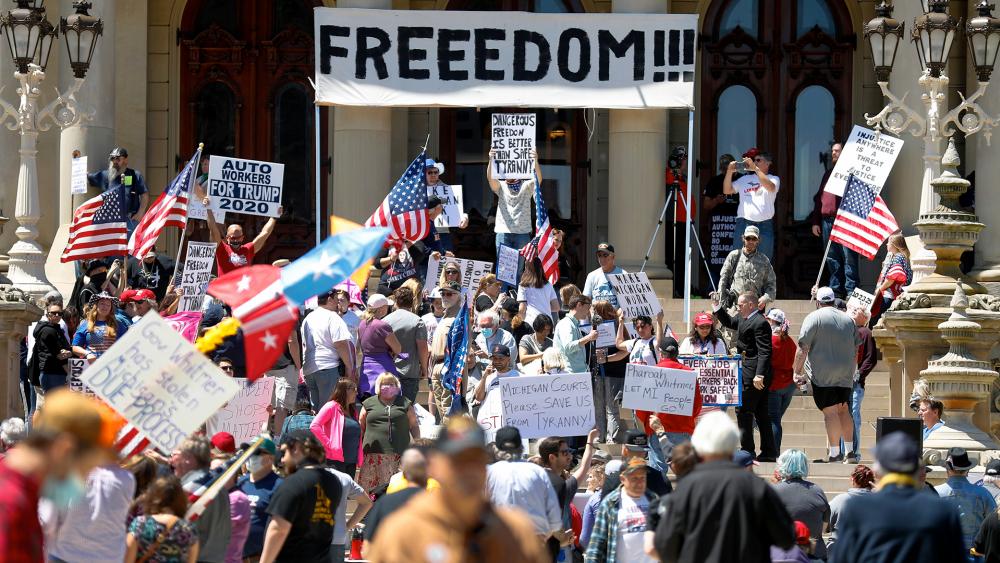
30,36
933,33
883,34
983,33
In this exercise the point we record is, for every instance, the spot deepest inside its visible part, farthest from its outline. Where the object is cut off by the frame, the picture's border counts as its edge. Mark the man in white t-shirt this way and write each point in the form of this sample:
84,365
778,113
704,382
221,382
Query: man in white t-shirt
500,367
326,341
757,191
597,287
621,522
513,218
642,348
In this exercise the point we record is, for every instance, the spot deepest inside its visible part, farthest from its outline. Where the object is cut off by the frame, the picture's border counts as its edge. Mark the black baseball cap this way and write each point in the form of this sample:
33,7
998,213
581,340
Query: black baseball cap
508,438
669,341
433,201
897,453
636,441
993,467
117,151
501,350
605,247
459,435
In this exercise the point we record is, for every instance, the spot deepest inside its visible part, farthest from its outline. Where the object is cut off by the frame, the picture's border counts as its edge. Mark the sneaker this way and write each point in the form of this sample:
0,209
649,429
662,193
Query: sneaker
831,459
852,458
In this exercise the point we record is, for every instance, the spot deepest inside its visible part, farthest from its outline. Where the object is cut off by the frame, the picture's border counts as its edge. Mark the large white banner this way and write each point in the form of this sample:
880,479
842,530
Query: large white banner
513,59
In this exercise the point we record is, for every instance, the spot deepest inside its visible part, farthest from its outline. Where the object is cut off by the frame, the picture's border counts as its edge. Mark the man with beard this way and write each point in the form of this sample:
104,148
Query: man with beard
302,509
119,175
234,252
451,300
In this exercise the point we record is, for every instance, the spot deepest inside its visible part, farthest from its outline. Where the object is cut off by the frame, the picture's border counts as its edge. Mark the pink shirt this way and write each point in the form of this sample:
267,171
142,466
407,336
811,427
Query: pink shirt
239,513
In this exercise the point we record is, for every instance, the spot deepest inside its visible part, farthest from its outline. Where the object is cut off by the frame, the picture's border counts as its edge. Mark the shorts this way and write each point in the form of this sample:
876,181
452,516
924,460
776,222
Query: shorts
829,396
286,384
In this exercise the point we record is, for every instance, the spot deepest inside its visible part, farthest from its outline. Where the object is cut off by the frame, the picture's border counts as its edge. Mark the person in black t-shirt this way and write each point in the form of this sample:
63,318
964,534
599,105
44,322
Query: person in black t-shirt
303,508
720,212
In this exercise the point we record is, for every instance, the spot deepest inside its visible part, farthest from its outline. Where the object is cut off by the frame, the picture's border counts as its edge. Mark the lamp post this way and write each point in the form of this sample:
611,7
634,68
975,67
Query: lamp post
933,34
30,37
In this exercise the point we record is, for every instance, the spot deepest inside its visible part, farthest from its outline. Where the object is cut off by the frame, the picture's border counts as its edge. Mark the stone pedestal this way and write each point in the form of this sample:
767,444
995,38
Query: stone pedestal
16,314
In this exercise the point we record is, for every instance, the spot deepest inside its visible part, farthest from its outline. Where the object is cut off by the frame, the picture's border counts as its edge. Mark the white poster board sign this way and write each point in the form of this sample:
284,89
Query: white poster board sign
861,299
635,294
196,273
159,382
514,59
78,176
606,335
472,272
490,415
197,210
76,368
868,156
245,186
719,379
245,414
513,139
454,207
548,405
508,260
656,389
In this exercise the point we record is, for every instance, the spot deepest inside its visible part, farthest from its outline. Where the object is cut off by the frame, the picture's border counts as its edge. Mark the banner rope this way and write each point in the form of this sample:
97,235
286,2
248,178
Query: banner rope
214,337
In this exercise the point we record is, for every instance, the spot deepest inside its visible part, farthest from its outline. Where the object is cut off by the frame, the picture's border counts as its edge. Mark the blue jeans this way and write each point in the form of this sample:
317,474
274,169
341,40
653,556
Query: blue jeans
50,381
840,258
766,245
777,404
321,384
513,240
857,396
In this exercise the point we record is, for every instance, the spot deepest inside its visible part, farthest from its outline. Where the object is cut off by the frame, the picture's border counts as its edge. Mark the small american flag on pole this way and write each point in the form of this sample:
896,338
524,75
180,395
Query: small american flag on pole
98,228
543,246
863,221
169,210
404,210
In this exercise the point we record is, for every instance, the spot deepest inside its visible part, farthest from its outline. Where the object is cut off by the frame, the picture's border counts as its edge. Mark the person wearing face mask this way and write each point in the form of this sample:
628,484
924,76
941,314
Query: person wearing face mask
71,436
458,521
233,251
259,485
388,421
97,282
378,344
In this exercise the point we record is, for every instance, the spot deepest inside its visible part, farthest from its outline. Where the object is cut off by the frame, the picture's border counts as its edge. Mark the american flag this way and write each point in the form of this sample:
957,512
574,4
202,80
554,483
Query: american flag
404,210
98,228
169,210
454,357
130,441
863,221
543,246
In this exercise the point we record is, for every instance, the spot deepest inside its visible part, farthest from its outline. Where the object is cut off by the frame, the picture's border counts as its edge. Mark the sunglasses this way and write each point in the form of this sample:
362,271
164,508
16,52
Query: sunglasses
54,313
640,325
449,272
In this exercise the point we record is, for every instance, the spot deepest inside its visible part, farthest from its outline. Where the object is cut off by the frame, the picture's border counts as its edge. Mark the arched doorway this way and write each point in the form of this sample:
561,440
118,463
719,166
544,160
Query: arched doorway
244,92
561,139
777,75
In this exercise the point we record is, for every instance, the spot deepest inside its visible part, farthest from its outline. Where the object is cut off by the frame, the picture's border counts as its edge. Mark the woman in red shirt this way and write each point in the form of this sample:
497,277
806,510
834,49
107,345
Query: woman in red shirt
782,355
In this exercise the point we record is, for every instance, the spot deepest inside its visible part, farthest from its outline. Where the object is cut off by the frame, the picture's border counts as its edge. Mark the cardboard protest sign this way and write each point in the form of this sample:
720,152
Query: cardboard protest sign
548,405
861,299
508,260
868,156
76,368
606,335
719,379
78,176
454,207
635,294
514,59
513,140
472,272
197,210
490,415
245,414
196,273
656,389
159,382
245,186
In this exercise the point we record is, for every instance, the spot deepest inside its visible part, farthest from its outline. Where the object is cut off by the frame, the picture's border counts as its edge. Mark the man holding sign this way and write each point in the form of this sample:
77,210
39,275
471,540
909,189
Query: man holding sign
513,218
437,188
233,252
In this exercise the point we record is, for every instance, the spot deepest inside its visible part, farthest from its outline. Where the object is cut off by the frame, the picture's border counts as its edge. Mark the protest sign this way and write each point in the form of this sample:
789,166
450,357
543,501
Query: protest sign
196,273
512,143
490,415
472,272
451,196
244,415
197,210
159,382
606,335
78,176
656,389
76,369
508,260
481,59
635,294
868,156
721,232
548,405
719,379
861,299
245,186
186,324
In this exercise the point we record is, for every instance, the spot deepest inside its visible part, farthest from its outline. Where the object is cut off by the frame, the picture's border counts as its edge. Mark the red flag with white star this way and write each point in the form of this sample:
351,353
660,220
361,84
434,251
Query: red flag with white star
266,318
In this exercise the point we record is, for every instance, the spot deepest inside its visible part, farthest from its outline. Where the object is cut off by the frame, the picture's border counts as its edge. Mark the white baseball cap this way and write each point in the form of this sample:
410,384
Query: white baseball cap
825,295
377,300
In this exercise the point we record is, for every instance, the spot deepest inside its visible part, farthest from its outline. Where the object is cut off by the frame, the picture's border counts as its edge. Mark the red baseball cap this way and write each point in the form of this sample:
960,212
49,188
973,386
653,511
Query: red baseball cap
224,442
801,533
752,152
127,295
144,295
702,319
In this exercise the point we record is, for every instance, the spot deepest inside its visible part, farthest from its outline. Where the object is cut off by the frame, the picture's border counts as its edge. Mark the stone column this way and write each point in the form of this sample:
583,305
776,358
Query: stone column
16,313
362,149
987,199
637,158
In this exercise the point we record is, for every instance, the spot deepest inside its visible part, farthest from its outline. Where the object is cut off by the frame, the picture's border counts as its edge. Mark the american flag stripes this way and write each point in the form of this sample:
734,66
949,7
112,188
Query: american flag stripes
130,441
404,210
543,246
169,210
863,221
98,228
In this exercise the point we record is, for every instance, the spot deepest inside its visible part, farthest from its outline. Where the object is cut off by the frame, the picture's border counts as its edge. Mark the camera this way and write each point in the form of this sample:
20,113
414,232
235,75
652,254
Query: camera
676,157
741,167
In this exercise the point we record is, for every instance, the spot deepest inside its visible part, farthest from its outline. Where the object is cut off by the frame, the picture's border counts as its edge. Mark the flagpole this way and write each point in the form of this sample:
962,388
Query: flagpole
180,247
822,263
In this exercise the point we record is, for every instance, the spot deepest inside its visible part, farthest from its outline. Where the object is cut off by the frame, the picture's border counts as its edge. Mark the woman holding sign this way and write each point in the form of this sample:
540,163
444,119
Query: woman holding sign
100,328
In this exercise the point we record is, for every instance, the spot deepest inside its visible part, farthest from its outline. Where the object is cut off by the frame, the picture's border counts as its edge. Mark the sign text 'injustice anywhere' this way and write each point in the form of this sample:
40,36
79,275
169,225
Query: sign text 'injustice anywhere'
379,57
